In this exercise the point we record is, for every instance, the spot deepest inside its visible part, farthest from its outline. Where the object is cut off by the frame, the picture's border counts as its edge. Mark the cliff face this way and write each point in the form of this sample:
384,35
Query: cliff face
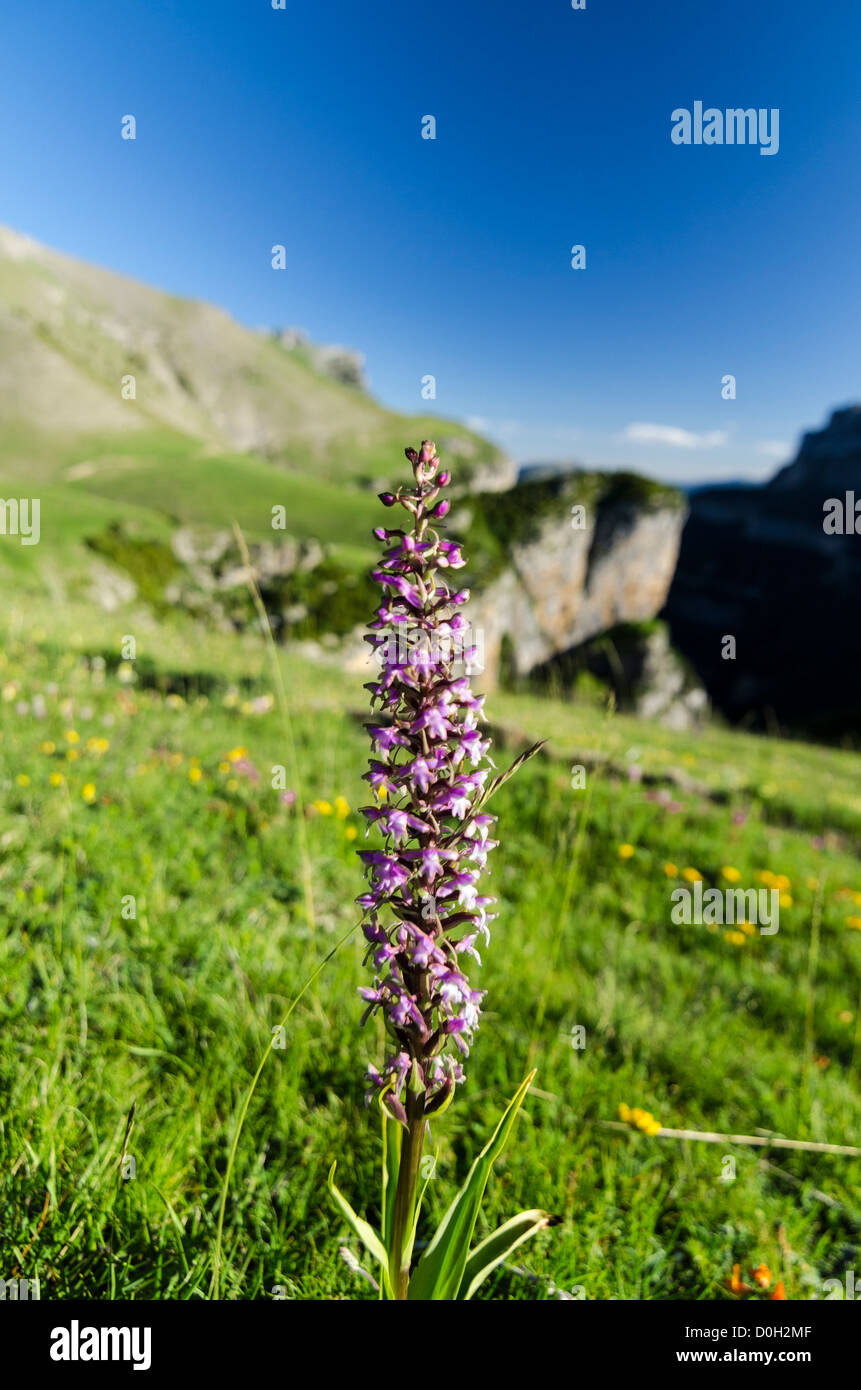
828,461
547,579
758,565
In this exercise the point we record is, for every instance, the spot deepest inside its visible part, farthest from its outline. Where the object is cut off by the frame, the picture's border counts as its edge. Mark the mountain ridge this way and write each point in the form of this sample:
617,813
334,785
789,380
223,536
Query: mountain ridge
111,355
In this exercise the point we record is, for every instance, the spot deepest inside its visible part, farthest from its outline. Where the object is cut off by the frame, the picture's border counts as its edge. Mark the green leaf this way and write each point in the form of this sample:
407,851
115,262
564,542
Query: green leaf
497,1247
439,1272
367,1235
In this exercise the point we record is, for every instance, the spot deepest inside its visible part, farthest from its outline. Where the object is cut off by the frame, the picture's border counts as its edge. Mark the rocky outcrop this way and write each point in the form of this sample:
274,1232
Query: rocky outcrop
828,461
638,663
475,474
556,561
342,363
757,564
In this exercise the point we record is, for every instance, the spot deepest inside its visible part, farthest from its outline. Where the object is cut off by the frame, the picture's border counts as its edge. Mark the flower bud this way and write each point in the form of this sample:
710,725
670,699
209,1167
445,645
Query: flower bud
442,508
428,451
444,478
387,498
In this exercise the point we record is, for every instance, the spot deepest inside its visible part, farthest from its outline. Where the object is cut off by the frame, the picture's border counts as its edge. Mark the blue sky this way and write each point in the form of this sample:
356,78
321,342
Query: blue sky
452,257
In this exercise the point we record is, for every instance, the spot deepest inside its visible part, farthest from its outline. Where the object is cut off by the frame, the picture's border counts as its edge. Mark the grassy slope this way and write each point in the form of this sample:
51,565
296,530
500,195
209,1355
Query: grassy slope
158,481
174,1008
225,425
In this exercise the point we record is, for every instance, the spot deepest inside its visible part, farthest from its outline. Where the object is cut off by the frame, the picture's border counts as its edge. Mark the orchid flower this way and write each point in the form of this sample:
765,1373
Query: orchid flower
422,907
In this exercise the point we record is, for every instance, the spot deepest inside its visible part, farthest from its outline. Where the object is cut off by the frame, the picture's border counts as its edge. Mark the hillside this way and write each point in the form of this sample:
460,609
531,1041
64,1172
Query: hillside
224,422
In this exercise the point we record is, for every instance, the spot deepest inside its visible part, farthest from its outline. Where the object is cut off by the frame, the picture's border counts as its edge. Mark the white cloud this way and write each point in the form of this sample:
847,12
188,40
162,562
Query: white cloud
774,449
642,433
480,424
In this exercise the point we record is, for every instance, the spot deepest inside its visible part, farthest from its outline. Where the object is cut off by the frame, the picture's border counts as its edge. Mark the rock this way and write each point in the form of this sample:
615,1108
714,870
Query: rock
637,662
195,546
666,689
756,564
342,363
478,476
554,586
828,461
110,588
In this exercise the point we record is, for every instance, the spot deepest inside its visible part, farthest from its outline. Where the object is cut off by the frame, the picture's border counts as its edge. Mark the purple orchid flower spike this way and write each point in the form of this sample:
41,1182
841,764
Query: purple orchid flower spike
423,908
427,756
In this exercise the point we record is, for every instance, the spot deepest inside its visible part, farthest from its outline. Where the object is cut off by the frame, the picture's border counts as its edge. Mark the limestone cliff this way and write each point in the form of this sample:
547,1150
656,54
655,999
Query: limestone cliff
556,561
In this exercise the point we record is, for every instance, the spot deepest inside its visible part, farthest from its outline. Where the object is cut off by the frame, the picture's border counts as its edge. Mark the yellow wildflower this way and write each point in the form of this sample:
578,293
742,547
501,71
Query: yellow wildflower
324,807
72,736
351,832
194,774
692,875
236,754
626,851
730,874
645,1121
88,792
224,767
342,807
48,746
56,779
737,938
671,871
22,779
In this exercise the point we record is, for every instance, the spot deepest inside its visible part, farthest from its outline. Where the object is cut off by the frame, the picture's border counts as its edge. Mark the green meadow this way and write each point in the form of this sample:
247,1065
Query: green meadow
161,908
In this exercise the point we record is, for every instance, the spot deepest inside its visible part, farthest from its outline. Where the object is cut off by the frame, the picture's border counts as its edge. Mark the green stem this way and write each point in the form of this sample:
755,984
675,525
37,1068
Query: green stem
405,1197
